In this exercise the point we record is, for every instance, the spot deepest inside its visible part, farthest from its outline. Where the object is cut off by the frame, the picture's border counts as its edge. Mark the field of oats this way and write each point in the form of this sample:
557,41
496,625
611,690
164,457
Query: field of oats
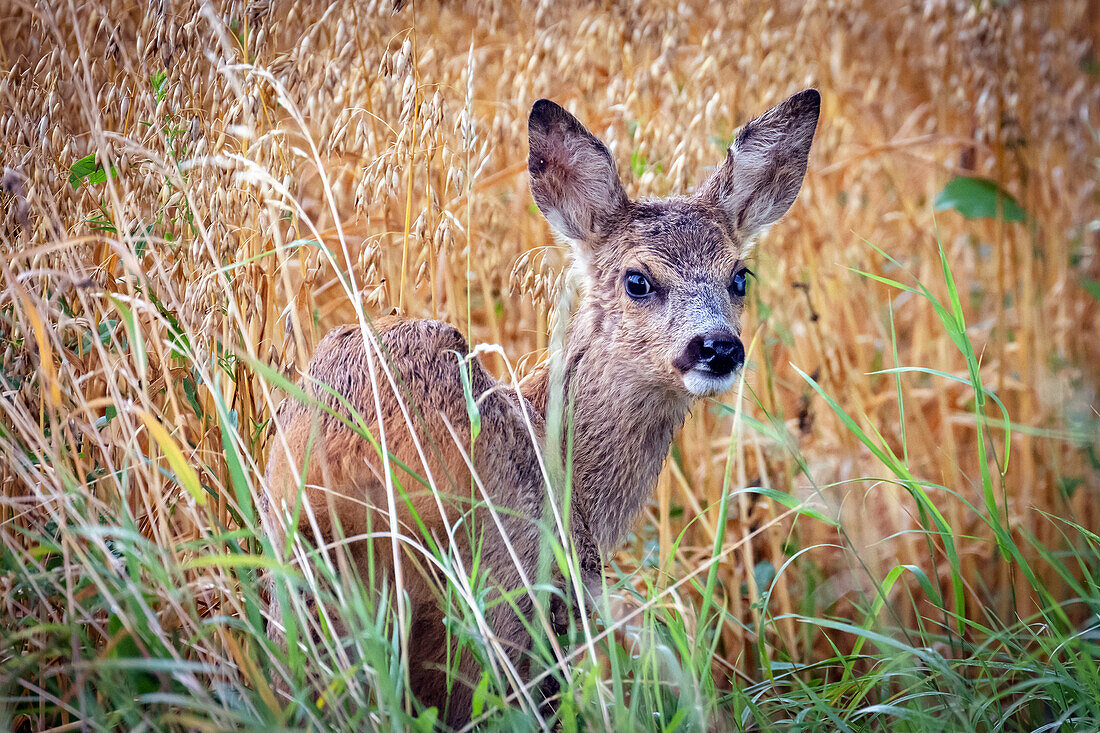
892,524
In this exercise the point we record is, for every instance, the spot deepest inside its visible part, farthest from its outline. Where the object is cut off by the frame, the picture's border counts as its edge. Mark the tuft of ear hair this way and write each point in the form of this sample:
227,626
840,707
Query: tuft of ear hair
573,176
765,166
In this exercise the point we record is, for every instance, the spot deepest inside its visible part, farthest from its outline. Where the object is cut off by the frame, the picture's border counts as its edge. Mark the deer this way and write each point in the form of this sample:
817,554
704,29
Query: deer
655,328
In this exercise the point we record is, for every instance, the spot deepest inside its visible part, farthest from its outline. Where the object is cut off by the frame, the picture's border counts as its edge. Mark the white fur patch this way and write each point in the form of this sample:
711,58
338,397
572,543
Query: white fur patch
705,384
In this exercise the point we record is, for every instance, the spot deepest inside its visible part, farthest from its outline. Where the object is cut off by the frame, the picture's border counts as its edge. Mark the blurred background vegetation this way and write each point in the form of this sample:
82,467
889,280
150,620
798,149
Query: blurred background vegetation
193,193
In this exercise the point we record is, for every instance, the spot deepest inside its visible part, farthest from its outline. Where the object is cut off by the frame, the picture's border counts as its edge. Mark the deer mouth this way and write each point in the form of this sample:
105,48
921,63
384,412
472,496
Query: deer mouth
700,381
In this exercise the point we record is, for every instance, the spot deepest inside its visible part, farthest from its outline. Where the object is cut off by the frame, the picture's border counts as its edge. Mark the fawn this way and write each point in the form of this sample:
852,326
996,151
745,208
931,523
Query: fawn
656,328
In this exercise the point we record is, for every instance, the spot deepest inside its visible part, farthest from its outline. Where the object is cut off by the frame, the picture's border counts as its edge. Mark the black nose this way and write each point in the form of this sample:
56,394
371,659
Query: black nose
718,354
721,357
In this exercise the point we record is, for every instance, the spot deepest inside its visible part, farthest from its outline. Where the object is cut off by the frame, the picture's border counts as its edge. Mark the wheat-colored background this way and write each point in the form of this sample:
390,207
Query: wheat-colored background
245,134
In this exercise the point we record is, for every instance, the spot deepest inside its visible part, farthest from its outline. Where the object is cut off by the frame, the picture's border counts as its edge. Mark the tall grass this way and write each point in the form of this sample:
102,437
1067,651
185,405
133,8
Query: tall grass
890,523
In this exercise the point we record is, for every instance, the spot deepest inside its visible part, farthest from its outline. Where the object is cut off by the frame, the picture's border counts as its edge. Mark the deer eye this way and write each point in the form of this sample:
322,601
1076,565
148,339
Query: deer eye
638,286
740,283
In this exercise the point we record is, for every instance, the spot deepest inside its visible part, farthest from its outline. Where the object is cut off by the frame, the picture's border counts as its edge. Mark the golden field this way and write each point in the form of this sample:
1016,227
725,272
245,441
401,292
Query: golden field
262,170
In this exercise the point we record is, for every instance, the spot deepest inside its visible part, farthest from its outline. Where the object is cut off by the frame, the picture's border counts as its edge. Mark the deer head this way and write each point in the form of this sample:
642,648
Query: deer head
665,280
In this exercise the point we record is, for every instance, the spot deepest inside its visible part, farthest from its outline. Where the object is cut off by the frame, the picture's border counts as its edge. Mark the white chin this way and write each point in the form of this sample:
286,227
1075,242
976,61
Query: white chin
705,384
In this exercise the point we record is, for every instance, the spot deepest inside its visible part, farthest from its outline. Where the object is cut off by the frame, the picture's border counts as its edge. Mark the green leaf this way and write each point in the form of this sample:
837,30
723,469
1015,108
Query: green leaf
979,198
884,592
472,410
126,649
109,414
191,390
87,170
101,334
81,169
425,722
134,333
141,234
480,693
763,573
232,561
788,501
157,81
1092,287
227,421
99,175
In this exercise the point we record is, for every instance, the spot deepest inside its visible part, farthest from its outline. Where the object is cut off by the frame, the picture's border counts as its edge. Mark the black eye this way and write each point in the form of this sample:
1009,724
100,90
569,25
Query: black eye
637,285
740,283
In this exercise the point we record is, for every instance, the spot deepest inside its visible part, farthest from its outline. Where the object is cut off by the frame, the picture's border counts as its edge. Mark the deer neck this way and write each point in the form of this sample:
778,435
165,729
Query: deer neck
622,426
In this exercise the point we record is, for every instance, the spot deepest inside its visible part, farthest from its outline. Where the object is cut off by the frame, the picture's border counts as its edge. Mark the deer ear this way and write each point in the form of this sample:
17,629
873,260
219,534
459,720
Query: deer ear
764,168
573,177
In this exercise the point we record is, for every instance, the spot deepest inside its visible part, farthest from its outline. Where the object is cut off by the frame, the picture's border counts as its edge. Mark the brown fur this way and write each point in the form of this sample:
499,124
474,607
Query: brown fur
625,377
